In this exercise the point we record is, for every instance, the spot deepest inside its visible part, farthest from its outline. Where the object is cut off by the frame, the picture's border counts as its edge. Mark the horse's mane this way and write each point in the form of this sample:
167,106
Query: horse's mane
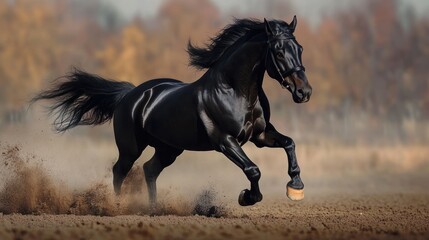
205,57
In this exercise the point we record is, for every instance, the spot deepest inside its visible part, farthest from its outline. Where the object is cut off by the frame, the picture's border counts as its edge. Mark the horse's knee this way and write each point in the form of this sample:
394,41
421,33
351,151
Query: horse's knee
123,165
252,173
161,159
289,144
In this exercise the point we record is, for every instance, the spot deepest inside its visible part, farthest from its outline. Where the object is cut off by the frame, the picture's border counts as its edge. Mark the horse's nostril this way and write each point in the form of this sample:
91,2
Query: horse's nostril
301,92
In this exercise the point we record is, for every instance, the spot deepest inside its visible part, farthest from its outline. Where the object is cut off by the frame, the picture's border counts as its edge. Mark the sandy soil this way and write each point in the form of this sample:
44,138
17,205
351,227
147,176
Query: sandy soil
59,187
386,216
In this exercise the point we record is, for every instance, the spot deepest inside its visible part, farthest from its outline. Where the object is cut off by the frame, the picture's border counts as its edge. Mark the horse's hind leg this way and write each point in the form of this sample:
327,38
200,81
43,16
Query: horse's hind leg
130,144
122,167
163,157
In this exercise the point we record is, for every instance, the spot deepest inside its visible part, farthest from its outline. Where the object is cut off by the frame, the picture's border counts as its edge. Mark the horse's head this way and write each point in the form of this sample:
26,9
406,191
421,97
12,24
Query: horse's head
283,60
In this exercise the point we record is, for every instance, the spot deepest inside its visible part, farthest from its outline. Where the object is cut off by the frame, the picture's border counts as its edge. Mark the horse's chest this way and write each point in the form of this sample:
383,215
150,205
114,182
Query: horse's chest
231,115
253,124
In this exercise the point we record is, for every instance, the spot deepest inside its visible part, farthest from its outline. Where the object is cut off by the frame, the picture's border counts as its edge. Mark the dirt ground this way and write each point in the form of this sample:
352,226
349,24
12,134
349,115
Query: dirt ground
385,216
59,187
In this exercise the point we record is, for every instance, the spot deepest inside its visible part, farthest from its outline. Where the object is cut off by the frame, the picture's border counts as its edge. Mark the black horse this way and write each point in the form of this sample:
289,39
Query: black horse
221,111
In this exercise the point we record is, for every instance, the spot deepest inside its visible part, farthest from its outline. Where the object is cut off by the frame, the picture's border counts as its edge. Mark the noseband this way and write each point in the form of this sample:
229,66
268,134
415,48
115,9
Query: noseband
289,72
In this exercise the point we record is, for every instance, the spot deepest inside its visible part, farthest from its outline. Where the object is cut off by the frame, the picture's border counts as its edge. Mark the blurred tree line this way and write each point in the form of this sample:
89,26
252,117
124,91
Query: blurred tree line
370,60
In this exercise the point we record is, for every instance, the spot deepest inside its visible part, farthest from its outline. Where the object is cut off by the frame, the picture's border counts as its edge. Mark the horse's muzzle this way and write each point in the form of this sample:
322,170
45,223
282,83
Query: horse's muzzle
302,95
301,91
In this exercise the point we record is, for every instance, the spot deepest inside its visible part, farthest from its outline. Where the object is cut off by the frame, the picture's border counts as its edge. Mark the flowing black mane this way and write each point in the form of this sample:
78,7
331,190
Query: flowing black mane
205,57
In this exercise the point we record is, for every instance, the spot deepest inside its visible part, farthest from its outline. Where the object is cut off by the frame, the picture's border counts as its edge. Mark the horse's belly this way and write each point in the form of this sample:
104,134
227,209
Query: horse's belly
173,121
183,133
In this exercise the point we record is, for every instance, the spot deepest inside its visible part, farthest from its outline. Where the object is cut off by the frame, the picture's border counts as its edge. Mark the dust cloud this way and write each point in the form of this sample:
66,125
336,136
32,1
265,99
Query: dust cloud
28,188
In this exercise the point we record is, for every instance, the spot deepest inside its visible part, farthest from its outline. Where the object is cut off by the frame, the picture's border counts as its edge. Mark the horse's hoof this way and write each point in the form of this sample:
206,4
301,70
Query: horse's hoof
294,194
246,199
242,197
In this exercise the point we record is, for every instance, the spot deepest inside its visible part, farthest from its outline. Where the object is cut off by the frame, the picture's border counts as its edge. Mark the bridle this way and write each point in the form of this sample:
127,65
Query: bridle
289,72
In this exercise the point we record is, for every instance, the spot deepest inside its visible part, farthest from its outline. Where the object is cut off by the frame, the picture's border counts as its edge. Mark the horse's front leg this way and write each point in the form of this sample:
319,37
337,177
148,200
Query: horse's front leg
274,139
230,147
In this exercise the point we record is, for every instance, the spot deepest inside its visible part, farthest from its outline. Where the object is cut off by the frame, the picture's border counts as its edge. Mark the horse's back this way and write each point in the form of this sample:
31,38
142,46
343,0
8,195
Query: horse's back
153,83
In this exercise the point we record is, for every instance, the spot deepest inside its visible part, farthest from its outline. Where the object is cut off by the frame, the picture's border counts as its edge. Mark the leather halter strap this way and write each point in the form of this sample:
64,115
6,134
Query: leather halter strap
286,74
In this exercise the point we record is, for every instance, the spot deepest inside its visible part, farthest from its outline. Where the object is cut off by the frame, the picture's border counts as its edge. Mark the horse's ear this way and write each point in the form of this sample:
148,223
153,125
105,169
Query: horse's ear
292,25
268,29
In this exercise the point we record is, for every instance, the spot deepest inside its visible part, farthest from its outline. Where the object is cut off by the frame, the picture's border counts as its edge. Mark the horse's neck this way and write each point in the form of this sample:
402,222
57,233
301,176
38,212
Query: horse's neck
244,69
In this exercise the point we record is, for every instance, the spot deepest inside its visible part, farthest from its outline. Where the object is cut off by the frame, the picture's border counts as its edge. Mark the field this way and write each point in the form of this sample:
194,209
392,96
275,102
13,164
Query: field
59,187
379,216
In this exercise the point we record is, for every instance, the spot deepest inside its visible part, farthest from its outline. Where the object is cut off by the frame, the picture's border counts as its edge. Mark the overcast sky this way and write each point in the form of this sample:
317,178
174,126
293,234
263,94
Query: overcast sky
311,9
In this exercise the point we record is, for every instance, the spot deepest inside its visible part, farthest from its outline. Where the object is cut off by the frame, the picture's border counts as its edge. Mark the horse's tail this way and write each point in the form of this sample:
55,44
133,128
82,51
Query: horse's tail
81,98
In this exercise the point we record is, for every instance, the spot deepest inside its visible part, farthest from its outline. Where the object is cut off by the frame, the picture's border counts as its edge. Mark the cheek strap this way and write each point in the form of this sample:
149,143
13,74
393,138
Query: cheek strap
281,75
